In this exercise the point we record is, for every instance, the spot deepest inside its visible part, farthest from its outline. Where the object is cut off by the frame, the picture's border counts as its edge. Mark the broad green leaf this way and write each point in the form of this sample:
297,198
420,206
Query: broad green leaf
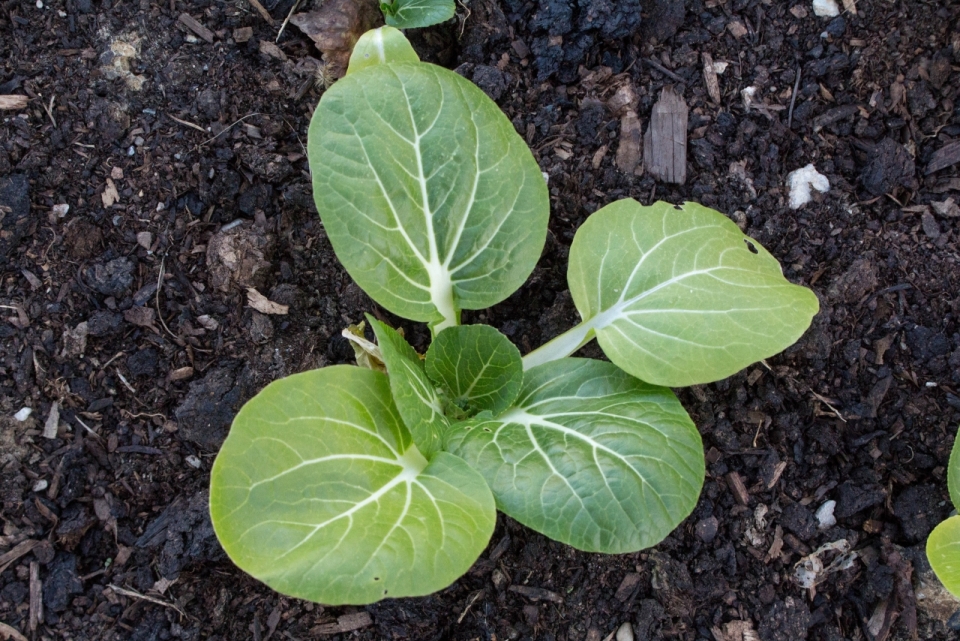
590,456
429,196
380,46
413,392
679,296
943,552
478,366
411,14
320,493
953,473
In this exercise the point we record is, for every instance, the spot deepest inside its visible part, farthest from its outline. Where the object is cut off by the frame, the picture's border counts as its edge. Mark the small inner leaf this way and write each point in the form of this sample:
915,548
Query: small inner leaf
589,456
412,14
413,392
680,296
381,46
478,367
320,493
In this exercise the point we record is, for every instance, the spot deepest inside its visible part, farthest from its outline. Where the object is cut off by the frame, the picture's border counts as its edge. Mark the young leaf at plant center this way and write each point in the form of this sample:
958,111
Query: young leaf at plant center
478,367
413,392
320,493
431,199
411,14
589,456
943,552
680,296
380,46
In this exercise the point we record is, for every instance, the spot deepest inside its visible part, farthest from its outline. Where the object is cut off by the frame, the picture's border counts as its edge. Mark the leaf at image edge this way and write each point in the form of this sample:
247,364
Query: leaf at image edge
943,553
319,493
414,14
953,473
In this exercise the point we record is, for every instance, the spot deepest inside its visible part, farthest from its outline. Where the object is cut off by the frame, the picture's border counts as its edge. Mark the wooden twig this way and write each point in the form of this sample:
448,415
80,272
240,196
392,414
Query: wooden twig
143,597
793,98
659,67
263,12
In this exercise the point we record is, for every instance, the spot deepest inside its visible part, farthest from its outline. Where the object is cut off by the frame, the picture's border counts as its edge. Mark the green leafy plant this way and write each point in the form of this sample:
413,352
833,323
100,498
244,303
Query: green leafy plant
348,485
943,544
410,14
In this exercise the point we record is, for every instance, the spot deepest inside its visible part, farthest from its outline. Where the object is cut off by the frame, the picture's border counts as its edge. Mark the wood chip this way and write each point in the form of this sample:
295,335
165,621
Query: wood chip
665,144
53,421
537,594
180,374
947,208
345,623
11,102
193,25
264,305
710,77
242,34
262,11
630,146
8,632
736,485
736,29
944,157
18,551
269,49
850,6
110,195
627,586
36,597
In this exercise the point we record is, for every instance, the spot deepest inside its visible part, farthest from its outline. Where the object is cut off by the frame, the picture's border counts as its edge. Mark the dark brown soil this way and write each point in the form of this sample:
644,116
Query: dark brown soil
129,310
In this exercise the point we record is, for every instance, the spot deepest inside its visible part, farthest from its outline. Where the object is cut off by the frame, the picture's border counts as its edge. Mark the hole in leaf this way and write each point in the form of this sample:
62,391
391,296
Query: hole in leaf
751,247
487,429
376,578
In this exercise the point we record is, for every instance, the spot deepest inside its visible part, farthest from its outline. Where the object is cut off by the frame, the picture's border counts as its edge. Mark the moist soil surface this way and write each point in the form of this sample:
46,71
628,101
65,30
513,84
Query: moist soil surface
156,174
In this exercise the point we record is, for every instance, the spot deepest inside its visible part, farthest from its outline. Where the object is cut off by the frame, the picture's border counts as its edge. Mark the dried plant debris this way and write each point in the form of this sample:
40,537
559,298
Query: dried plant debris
335,27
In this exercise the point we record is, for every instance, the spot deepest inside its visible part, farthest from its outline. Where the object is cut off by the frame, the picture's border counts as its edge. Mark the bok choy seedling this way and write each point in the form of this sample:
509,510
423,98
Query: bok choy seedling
943,544
347,485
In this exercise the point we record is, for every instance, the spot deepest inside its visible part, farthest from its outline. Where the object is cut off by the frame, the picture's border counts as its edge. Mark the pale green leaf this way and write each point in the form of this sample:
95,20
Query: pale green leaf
953,473
413,392
431,200
380,46
679,296
410,14
589,456
943,552
320,493
478,366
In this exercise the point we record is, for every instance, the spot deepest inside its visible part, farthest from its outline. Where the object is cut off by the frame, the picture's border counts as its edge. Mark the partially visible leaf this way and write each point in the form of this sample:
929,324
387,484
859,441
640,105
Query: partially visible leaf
429,196
413,392
478,366
320,493
336,26
590,456
943,552
679,296
953,473
410,14
380,46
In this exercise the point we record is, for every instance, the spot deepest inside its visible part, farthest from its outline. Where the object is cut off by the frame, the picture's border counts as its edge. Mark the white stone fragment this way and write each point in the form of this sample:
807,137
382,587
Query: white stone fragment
41,485
826,8
625,632
825,517
800,182
23,414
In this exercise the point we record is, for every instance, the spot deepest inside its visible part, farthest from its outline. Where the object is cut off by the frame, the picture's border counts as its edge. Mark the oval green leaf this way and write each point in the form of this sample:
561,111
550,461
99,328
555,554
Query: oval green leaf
590,456
478,367
431,200
320,493
953,473
943,552
413,391
412,14
380,46
679,296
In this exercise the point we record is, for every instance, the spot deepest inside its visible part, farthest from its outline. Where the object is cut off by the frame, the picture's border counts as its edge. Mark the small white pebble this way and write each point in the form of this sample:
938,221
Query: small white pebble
825,516
800,182
40,485
39,4
23,414
625,632
826,8
930,384
193,461
61,209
